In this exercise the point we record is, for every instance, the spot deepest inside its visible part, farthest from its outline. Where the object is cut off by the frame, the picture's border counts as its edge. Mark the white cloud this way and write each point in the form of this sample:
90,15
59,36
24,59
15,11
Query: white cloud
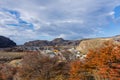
71,19
112,13
5,18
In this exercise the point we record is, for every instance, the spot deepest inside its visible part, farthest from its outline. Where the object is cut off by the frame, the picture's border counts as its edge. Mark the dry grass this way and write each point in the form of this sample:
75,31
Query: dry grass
8,56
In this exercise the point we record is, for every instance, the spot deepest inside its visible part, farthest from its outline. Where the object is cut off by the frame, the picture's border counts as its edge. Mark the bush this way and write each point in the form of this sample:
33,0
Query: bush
40,67
100,63
7,72
105,61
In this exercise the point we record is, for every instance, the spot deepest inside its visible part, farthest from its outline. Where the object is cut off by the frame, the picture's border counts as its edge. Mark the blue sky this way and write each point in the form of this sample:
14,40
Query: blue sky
26,20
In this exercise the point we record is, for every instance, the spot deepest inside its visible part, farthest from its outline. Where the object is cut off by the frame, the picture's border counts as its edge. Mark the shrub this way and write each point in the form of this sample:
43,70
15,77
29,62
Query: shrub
7,72
40,67
105,61
100,63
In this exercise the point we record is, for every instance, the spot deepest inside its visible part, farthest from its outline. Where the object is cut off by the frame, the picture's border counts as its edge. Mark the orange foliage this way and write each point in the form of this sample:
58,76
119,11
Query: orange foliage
74,72
78,71
103,63
103,60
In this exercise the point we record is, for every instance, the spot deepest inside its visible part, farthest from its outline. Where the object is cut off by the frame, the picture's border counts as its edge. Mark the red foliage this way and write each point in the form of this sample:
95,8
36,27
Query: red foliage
105,61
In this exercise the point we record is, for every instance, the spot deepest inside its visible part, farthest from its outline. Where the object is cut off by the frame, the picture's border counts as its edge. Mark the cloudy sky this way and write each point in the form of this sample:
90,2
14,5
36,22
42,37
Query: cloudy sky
26,20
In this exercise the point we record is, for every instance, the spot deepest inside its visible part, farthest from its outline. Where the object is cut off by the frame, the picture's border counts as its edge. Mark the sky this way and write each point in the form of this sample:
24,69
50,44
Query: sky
27,20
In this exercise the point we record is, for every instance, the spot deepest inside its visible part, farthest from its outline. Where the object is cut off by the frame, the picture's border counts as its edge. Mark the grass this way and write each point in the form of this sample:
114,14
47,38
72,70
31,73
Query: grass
8,56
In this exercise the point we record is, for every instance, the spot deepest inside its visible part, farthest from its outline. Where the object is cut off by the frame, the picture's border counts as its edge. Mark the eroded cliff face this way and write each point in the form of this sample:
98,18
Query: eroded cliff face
86,45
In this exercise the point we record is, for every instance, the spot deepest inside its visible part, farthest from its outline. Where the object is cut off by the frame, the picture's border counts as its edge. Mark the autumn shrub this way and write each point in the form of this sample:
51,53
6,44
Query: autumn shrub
100,63
69,56
75,70
36,66
7,72
105,61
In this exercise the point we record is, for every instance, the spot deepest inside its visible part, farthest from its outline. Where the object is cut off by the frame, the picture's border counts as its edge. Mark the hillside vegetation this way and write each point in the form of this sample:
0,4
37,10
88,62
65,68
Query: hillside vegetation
100,63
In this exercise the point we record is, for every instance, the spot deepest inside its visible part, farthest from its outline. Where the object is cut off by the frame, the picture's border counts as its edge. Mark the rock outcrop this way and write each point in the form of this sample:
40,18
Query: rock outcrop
6,42
88,44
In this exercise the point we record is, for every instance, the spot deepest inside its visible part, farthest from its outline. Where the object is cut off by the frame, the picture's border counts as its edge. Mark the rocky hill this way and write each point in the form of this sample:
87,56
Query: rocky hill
55,42
88,44
6,42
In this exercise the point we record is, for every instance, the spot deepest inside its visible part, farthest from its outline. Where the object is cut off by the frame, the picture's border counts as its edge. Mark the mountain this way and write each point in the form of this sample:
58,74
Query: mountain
6,42
37,43
55,42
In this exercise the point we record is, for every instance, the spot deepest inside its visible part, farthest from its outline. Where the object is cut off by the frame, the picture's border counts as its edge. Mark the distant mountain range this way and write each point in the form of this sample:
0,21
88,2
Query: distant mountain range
6,42
55,42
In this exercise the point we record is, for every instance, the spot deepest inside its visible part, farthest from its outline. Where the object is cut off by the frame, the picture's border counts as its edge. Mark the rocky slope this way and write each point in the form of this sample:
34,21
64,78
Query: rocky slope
88,44
6,42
